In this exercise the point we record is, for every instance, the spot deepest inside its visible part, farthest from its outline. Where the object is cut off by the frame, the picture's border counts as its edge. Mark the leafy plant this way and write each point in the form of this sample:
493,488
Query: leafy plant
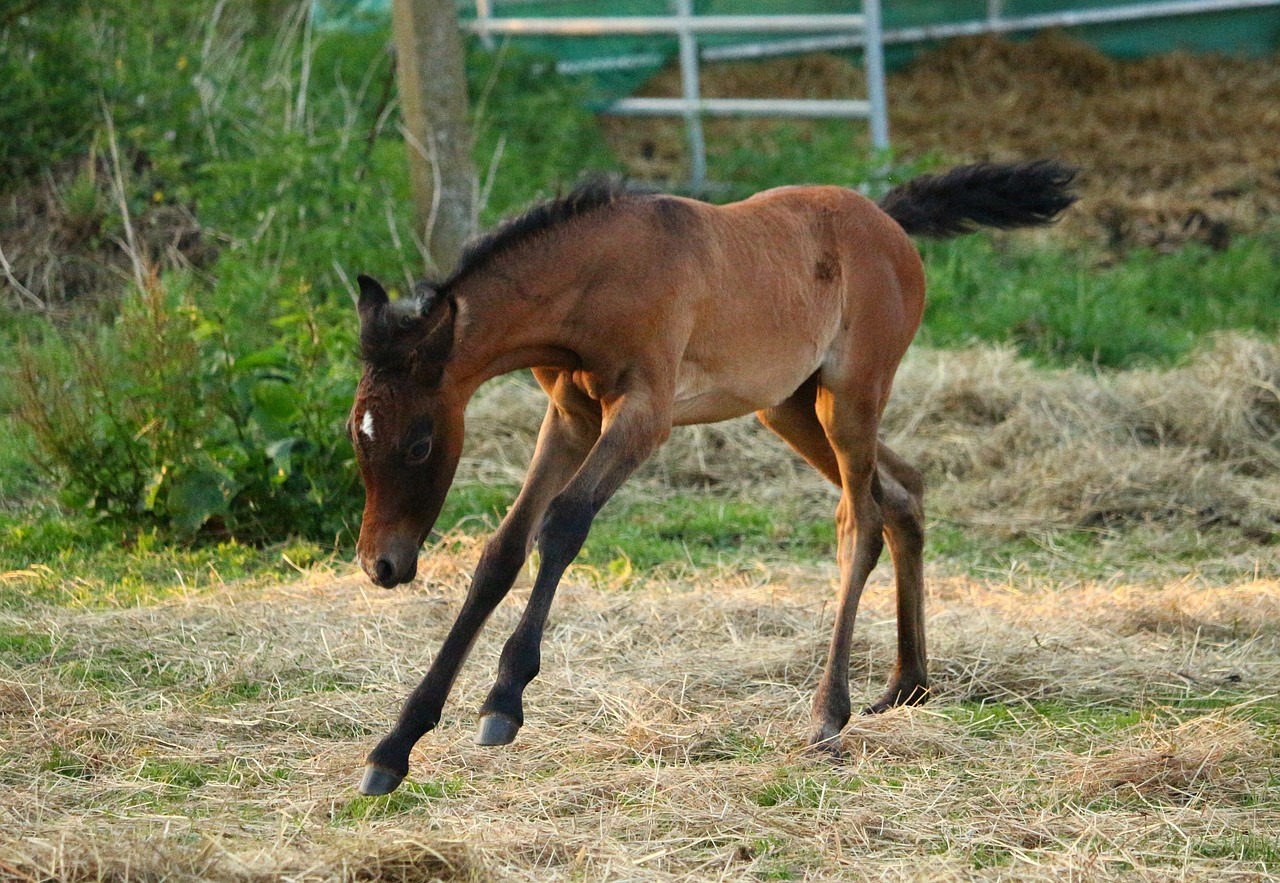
167,417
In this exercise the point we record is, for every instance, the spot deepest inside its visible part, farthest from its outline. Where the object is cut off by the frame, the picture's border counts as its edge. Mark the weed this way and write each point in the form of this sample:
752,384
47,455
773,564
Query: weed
1244,847
183,775
802,792
20,647
408,797
61,762
990,855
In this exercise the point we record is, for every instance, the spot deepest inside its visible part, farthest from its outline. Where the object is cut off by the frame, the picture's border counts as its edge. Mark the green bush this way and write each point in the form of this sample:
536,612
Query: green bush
169,417
145,61
215,402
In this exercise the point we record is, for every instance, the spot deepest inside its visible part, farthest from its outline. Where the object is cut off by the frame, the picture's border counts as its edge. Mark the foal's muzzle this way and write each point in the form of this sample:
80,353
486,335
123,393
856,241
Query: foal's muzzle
395,563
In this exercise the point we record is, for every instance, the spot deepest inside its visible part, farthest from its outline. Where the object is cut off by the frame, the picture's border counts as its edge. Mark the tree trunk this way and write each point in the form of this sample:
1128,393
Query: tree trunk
431,72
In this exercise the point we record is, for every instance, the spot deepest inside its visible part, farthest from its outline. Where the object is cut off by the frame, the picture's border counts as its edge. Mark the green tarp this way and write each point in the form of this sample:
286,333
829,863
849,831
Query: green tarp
1246,31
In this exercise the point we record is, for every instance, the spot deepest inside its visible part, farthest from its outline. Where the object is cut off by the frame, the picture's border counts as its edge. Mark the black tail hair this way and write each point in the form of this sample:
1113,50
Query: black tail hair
1004,195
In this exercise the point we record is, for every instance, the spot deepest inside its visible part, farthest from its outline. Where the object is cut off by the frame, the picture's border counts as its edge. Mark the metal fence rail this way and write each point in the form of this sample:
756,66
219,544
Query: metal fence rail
995,22
686,26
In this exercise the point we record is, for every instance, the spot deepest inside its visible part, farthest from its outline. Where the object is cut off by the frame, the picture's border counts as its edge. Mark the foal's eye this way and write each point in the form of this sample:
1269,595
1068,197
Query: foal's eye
418,452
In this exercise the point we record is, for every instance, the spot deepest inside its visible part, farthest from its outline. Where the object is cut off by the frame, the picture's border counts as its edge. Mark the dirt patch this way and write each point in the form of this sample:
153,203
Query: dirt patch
66,244
1173,148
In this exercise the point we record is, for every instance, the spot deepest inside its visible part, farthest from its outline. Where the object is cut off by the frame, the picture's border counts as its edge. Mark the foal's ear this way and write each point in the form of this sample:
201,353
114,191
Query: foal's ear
373,297
438,311
429,299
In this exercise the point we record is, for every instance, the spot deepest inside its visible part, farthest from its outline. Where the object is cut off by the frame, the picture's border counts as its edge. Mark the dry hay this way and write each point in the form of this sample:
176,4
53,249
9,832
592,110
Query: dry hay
662,737
1005,444
109,857
1174,147
1162,763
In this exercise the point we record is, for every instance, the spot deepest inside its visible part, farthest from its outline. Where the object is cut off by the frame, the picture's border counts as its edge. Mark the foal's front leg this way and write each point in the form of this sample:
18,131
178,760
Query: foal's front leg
563,443
633,428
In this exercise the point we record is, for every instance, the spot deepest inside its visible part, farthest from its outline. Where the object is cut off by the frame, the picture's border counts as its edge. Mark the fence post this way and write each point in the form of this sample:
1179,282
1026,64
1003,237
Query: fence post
484,12
431,72
689,86
873,61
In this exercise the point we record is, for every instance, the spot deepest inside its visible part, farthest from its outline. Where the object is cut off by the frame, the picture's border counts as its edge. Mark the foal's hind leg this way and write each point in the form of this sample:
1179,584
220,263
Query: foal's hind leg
796,422
903,505
850,418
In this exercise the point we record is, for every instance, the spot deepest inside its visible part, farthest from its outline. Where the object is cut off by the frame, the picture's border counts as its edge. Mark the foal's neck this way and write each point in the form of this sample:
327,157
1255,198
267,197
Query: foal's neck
511,316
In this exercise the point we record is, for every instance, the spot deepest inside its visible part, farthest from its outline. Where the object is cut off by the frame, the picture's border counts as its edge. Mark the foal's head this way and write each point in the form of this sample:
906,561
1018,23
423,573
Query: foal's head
406,427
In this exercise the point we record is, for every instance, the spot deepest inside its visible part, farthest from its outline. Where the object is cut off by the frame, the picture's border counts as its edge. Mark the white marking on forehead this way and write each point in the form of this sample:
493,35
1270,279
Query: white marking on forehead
366,424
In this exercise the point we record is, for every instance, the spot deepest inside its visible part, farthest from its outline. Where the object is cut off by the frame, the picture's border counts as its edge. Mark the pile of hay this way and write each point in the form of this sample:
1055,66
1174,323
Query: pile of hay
1173,148
1004,443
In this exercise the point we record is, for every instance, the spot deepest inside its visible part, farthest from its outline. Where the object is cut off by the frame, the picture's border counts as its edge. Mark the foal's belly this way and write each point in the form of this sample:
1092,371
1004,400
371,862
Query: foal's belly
732,384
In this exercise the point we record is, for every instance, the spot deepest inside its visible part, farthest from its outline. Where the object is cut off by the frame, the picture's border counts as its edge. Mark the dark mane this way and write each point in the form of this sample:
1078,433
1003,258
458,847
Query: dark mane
593,194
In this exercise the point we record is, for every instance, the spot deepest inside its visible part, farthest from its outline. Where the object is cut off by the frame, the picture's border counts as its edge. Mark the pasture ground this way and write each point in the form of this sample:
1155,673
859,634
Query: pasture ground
1104,615
1087,730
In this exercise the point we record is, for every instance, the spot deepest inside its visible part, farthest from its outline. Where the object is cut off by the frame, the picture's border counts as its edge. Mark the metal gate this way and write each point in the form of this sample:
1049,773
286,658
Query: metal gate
864,28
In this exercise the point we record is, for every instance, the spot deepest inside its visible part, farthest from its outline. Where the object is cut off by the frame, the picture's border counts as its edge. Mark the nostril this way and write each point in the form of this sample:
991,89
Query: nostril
383,571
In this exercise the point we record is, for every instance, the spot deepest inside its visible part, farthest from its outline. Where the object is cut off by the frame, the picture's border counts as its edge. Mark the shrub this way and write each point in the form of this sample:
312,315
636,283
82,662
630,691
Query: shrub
168,416
215,401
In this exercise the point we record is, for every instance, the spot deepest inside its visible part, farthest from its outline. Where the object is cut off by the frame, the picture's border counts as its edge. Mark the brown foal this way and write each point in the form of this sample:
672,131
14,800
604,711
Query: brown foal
642,312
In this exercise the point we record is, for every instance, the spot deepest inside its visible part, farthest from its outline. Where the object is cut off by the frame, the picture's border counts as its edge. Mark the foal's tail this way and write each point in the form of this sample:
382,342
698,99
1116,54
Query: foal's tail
982,195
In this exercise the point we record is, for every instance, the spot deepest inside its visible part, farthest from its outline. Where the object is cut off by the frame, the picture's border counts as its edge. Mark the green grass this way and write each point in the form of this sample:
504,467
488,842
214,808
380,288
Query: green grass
700,530
409,796
803,792
638,532
1244,846
79,561
183,775
63,763
1060,307
1155,550
125,669
23,647
48,556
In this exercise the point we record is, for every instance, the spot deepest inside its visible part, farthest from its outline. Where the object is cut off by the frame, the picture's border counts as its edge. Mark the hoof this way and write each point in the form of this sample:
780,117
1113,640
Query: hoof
496,729
379,780
896,696
826,747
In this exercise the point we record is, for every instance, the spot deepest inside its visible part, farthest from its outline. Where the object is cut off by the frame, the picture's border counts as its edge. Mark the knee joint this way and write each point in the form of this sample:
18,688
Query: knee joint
906,519
567,520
